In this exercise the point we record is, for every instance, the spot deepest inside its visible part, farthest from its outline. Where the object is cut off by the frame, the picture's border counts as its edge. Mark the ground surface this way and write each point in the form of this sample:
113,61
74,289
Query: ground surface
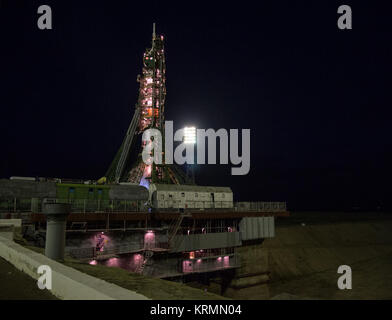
149,287
16,285
303,260
307,251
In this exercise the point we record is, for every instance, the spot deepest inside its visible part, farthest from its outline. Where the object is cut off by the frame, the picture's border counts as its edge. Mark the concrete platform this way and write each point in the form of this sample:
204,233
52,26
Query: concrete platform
67,283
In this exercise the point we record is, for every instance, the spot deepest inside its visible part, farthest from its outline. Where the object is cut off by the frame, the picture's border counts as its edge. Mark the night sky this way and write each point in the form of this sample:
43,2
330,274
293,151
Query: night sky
317,99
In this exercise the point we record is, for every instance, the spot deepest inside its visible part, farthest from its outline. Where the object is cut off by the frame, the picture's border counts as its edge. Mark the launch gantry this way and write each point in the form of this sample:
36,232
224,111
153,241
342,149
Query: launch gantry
149,113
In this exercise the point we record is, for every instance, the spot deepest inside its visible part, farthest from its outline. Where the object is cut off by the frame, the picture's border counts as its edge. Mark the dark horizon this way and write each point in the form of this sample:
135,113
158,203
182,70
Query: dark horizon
316,98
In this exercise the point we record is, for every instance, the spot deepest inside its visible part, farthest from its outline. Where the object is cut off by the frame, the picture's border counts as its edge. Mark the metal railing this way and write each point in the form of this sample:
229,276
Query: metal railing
77,205
216,206
211,264
112,206
260,206
92,253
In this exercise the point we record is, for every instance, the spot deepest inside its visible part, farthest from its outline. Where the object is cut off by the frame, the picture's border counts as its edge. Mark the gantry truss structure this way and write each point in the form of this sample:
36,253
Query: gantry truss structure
149,113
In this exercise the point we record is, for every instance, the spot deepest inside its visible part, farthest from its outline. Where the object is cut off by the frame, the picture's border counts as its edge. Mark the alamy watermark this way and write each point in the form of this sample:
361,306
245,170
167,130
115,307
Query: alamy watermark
345,20
345,280
45,20
185,152
45,280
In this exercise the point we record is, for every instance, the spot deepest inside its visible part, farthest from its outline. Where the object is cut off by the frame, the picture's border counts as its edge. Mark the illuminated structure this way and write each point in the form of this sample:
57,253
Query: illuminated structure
172,230
190,138
149,113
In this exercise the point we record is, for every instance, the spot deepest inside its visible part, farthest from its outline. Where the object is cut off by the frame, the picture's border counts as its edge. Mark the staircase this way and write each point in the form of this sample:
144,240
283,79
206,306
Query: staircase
173,228
146,255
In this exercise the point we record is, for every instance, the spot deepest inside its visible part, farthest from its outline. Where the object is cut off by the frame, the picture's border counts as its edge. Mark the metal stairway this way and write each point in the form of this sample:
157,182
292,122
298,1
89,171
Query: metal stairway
146,255
174,228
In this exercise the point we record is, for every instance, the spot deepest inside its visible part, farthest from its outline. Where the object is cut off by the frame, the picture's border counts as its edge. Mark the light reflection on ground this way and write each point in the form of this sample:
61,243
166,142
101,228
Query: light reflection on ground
130,262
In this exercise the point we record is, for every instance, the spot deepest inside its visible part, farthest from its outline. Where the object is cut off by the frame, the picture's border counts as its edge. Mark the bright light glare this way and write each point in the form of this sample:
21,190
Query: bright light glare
190,135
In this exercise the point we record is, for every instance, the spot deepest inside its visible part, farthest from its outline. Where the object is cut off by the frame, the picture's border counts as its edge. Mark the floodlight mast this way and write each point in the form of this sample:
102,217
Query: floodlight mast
190,139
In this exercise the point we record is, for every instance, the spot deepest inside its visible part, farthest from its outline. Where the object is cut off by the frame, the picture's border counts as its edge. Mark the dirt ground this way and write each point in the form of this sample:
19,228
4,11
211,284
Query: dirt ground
16,285
304,258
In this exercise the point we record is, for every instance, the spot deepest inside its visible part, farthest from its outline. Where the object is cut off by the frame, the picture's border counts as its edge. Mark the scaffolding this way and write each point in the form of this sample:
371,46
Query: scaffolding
149,114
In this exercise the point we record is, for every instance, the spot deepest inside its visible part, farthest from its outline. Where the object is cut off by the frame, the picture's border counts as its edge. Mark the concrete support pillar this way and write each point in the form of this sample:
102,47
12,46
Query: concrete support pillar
56,217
